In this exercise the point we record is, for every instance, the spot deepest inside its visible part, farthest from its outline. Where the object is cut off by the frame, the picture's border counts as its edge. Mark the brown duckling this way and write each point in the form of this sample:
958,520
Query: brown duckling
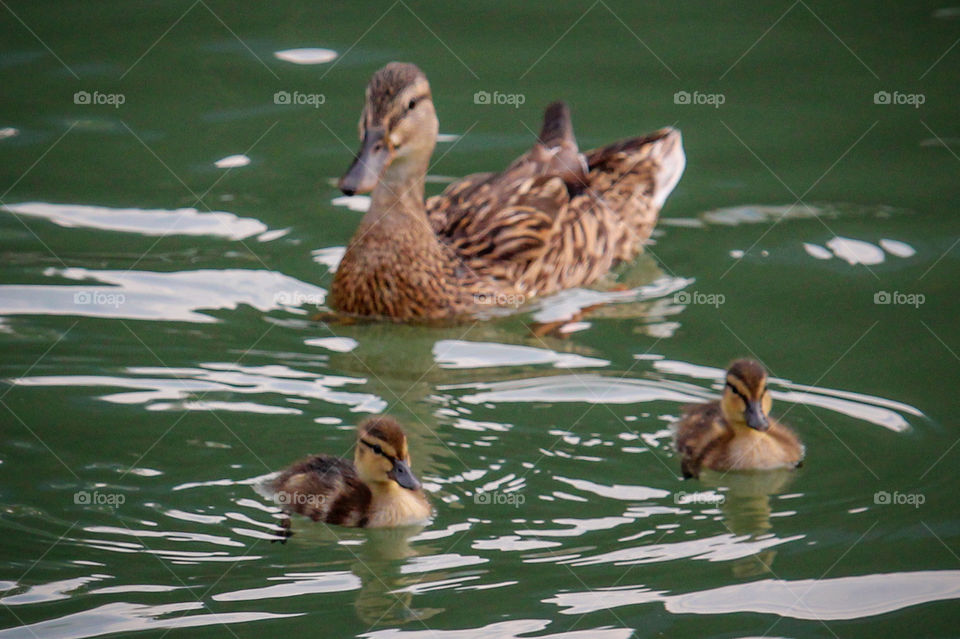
737,432
554,219
377,490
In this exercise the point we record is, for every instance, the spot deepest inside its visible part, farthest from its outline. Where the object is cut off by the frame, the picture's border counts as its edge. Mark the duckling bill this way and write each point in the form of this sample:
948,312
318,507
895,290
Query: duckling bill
377,490
737,432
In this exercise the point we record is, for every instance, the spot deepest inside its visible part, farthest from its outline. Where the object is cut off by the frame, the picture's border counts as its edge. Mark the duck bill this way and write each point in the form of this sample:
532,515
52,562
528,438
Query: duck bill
755,417
402,474
365,171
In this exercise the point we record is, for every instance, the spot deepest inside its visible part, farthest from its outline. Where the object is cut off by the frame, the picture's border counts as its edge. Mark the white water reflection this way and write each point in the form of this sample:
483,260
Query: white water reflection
232,162
307,55
566,304
592,389
450,353
817,599
122,617
724,547
158,388
514,629
147,295
756,214
188,221
295,585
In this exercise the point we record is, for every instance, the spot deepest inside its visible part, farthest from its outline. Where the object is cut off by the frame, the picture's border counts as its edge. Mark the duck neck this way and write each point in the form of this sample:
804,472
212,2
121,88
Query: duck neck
399,194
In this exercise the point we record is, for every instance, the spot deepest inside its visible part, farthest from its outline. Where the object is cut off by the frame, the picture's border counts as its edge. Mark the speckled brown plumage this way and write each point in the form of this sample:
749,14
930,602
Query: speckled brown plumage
324,488
554,219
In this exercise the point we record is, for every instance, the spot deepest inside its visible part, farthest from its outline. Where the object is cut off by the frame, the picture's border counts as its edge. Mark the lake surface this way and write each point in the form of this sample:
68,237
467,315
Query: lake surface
168,230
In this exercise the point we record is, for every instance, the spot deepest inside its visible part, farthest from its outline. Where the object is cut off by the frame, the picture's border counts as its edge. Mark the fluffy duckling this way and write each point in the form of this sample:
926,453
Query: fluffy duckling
737,432
377,490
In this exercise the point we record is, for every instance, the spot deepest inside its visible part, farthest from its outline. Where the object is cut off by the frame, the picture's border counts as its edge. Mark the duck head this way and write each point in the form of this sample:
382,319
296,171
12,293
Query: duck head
381,456
746,400
398,129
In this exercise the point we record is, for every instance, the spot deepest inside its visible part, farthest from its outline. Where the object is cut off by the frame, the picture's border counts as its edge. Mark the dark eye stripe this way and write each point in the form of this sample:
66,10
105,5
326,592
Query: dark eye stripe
376,448
737,393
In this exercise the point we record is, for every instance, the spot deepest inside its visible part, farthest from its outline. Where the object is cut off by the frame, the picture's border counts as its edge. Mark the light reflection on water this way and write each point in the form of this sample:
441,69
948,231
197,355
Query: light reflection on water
823,599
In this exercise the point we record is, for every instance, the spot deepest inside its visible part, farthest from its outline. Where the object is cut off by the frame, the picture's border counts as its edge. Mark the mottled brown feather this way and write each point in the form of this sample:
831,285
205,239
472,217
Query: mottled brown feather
324,488
554,219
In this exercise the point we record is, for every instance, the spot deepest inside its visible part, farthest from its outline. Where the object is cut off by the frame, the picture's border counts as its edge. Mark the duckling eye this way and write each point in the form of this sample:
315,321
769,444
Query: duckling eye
413,103
377,449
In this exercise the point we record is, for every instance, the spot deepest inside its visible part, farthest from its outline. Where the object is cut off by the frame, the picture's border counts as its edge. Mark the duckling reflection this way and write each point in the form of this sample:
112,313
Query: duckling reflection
737,433
746,510
385,596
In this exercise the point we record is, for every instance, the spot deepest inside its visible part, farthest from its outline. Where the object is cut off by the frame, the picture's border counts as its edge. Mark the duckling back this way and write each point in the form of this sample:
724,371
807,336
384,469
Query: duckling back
700,436
324,488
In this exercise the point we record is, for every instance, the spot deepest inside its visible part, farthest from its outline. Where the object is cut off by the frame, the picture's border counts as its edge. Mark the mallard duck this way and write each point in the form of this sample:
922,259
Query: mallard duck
555,219
377,490
737,432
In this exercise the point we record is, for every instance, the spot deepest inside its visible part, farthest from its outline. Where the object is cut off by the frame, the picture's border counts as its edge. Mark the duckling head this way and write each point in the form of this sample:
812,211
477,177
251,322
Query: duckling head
746,400
381,457
398,128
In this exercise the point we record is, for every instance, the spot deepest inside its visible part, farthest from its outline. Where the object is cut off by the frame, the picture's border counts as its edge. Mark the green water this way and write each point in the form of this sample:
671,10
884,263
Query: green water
158,365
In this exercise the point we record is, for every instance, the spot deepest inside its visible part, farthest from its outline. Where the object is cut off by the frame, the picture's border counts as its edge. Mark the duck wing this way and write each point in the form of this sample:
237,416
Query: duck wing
556,218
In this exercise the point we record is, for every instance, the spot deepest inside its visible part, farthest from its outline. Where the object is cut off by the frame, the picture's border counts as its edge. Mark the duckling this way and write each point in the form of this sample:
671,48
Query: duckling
737,432
554,219
377,490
